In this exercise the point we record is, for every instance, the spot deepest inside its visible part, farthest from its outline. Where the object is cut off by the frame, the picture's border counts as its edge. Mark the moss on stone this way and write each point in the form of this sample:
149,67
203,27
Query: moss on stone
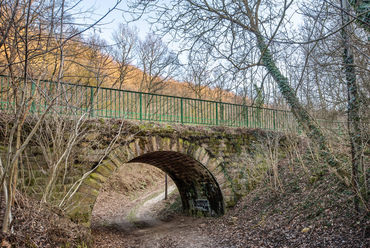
91,182
230,204
88,190
98,177
80,214
166,143
104,170
112,164
80,198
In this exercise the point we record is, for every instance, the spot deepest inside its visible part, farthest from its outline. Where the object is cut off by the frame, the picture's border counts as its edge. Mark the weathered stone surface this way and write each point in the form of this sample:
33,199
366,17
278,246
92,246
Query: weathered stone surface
98,177
81,214
93,183
207,165
88,190
83,199
103,170
111,164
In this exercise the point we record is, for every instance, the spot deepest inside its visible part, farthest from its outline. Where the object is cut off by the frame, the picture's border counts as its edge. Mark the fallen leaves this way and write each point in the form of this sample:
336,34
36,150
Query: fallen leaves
305,230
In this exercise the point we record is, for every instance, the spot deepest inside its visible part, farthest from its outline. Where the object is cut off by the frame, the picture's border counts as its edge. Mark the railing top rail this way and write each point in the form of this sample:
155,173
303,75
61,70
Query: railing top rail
153,94
104,102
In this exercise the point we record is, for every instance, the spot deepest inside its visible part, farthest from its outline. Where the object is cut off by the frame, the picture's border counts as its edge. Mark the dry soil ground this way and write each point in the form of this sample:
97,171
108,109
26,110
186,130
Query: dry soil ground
135,219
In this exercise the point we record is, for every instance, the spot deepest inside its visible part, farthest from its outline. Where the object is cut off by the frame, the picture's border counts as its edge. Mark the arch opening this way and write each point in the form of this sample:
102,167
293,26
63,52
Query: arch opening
132,198
199,190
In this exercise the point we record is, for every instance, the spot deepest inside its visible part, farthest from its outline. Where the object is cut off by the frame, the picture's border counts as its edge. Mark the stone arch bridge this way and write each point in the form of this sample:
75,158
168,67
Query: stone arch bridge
210,166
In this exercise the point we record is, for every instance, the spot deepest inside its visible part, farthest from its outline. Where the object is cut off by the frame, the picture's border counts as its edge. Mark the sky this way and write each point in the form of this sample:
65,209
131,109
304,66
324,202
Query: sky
111,21
106,27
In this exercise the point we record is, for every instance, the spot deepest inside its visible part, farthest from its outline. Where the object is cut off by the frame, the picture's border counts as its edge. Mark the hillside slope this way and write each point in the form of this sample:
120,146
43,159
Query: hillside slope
310,208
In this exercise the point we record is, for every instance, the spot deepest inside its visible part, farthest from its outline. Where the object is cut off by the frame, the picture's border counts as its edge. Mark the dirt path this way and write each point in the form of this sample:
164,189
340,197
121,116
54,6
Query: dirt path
145,213
119,223
181,232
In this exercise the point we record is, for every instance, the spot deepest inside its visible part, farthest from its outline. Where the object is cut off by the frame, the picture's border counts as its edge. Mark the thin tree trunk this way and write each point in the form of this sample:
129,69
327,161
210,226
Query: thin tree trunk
354,129
16,164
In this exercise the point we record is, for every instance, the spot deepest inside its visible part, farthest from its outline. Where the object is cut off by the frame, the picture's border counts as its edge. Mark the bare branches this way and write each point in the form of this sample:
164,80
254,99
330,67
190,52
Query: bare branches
157,62
34,38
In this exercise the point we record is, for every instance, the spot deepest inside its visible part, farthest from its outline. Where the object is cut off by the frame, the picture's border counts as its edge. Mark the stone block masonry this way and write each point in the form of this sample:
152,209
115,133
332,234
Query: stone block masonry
208,165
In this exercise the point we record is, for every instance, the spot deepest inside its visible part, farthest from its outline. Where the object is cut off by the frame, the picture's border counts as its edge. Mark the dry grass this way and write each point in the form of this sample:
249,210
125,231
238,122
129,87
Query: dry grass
36,225
310,207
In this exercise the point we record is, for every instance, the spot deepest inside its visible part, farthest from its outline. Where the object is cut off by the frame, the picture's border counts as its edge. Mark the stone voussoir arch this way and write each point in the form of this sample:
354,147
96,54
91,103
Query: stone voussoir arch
197,172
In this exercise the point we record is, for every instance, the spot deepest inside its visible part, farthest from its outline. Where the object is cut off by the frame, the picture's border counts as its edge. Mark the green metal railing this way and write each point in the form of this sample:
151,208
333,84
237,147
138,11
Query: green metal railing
75,99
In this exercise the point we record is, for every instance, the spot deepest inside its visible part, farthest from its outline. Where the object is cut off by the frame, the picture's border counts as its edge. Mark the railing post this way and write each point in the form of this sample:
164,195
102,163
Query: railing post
111,105
119,104
247,114
340,132
217,113
182,110
221,113
141,106
91,101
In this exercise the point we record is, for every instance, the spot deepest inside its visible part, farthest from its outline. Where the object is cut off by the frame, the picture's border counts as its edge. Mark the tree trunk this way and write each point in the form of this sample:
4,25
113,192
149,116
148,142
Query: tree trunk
312,130
354,128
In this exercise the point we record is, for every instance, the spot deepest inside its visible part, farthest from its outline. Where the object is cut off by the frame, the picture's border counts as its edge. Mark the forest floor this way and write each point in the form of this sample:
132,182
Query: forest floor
301,206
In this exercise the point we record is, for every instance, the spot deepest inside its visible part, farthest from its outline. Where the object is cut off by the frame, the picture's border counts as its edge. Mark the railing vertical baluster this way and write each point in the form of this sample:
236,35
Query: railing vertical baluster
247,114
203,115
156,112
141,106
340,133
119,104
182,110
196,114
169,117
106,102
91,101
85,100
98,109
125,115
110,103
200,115
217,113
222,113
115,104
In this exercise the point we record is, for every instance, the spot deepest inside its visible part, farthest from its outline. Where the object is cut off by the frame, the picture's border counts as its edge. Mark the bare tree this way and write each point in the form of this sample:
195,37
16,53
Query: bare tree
157,63
325,60
31,40
198,76
126,40
232,31
354,119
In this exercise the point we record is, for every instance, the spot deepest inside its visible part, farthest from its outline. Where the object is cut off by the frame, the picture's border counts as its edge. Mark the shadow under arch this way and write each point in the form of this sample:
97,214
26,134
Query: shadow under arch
199,190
